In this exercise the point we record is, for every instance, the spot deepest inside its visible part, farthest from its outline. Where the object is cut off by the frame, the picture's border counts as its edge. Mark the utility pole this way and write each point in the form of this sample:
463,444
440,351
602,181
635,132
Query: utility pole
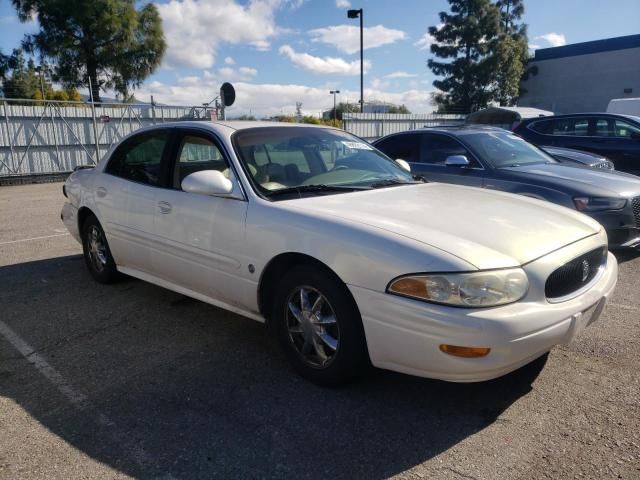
335,112
356,14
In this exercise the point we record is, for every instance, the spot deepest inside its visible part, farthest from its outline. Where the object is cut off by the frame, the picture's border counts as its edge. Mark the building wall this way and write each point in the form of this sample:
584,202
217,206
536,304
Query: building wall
583,83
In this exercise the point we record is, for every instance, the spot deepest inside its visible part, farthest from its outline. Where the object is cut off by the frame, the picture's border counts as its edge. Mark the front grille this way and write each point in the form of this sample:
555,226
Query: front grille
575,274
635,204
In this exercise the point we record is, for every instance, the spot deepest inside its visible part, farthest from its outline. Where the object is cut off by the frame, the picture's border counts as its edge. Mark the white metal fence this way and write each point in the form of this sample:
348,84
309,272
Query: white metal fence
54,137
375,125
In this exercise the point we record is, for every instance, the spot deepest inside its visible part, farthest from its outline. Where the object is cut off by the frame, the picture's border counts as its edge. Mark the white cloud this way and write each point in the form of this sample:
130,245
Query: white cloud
425,42
553,39
378,84
343,4
401,75
534,46
229,61
323,65
195,28
272,99
229,74
347,37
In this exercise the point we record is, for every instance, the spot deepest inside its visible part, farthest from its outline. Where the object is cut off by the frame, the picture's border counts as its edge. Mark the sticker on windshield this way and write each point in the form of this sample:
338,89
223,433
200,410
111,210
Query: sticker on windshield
357,145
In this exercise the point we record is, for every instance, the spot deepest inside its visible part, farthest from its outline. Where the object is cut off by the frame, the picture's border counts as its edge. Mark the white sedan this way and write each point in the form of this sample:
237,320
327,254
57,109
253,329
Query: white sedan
344,253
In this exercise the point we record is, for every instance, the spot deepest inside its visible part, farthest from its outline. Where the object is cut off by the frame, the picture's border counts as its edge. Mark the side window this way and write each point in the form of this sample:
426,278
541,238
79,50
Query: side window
139,158
571,126
603,127
436,149
196,153
543,126
626,130
405,147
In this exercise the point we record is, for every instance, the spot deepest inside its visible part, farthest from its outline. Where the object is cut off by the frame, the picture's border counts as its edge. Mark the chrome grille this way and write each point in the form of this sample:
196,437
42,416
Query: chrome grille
635,204
574,275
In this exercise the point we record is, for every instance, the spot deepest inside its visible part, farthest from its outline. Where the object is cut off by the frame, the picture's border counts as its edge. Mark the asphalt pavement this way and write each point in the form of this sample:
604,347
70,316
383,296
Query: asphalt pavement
132,380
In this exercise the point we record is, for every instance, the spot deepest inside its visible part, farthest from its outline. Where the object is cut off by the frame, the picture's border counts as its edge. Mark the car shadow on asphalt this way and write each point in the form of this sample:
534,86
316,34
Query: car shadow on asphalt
180,389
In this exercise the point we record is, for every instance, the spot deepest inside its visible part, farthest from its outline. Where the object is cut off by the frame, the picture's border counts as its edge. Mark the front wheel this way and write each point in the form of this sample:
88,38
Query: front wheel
319,327
97,255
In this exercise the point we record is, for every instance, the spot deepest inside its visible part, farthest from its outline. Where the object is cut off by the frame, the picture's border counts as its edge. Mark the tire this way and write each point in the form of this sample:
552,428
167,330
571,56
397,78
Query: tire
97,255
328,346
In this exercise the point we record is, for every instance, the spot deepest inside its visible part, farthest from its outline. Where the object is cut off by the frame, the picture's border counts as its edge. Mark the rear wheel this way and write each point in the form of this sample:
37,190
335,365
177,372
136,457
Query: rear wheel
319,326
96,251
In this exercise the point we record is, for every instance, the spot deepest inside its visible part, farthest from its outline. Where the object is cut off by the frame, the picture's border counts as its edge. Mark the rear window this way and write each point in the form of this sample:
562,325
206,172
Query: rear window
542,126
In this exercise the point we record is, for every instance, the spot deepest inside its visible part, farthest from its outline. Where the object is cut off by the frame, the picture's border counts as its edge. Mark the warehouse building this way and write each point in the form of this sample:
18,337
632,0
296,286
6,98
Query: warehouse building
584,77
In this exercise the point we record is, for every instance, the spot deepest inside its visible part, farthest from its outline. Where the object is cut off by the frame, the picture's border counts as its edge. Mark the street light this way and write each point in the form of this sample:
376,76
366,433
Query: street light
335,113
356,14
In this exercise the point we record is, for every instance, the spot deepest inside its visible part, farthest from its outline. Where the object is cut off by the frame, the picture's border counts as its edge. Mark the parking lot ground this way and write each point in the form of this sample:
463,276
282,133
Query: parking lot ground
131,380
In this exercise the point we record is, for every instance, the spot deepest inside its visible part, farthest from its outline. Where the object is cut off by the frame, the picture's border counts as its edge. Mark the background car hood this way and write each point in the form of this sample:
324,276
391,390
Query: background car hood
584,180
485,228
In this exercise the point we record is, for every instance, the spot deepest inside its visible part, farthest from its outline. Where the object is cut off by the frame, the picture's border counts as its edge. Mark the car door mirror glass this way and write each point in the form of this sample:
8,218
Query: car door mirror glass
207,182
457,161
404,164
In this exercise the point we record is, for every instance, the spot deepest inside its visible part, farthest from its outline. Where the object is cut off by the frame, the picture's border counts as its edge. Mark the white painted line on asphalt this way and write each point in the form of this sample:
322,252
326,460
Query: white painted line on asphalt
78,399
34,238
625,307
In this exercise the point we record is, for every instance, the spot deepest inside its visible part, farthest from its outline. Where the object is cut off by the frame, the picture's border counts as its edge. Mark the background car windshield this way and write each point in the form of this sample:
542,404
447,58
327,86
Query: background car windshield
284,157
505,150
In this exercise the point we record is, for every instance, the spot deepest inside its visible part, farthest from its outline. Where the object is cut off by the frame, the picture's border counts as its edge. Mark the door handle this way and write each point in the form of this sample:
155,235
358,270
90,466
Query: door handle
101,192
165,207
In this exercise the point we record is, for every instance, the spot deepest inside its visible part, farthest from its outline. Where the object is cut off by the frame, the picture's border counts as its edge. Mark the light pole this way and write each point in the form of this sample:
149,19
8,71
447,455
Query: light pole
335,113
356,14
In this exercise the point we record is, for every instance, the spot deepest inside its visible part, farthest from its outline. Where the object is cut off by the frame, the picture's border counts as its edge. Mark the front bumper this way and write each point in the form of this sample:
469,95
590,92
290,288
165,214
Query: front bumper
404,335
621,226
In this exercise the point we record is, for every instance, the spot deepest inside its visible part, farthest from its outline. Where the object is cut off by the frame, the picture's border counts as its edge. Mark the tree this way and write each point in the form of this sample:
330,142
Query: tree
510,52
107,42
464,38
509,69
398,109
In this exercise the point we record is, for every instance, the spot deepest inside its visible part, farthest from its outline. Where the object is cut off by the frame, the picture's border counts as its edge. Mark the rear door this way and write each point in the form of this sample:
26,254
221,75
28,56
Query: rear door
199,238
126,196
619,140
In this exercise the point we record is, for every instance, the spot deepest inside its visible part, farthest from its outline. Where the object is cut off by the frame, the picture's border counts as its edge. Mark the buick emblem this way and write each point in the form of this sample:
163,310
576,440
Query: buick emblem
586,268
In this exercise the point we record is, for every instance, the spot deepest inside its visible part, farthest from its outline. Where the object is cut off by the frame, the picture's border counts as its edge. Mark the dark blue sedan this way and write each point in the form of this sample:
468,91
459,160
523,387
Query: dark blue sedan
494,158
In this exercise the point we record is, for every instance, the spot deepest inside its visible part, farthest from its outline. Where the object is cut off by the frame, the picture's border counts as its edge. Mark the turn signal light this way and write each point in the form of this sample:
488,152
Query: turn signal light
466,352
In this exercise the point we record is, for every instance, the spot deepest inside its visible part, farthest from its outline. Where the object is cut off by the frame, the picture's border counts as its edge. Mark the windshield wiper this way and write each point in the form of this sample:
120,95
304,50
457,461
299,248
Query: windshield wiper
390,182
300,189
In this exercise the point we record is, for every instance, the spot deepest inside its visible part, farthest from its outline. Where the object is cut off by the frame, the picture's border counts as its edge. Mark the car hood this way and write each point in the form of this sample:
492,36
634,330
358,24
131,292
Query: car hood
487,229
579,156
587,181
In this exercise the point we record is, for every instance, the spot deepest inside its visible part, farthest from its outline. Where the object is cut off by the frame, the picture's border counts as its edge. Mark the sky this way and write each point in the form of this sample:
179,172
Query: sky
279,52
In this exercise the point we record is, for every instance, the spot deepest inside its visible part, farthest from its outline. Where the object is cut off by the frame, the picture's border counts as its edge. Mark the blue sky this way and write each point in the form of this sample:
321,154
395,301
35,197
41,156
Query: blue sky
278,52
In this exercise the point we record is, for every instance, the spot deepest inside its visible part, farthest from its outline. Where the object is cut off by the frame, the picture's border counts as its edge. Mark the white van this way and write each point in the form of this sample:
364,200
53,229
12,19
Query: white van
624,106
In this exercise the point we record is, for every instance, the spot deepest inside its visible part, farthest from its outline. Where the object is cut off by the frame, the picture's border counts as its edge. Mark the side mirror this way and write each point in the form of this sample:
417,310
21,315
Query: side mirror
457,161
404,164
635,136
207,182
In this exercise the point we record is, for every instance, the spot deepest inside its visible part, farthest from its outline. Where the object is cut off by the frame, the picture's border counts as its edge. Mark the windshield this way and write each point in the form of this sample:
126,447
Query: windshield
503,149
304,158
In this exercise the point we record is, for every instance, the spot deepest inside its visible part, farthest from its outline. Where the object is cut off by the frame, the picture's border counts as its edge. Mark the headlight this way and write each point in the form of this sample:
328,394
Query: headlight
598,204
477,289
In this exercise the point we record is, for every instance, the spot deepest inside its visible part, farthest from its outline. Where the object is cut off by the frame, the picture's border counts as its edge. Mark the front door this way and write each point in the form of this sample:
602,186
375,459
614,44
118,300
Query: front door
200,238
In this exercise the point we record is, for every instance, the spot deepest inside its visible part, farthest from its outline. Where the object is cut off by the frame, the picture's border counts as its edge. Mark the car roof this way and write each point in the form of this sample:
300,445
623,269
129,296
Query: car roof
236,124
584,114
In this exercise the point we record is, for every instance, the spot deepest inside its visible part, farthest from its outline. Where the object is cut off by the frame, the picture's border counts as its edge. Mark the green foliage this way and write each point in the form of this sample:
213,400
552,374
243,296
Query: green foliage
486,51
106,41
246,117
508,69
22,79
465,41
398,109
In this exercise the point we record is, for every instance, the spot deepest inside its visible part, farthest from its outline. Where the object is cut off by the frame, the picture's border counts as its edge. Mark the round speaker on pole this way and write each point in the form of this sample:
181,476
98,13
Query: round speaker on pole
228,94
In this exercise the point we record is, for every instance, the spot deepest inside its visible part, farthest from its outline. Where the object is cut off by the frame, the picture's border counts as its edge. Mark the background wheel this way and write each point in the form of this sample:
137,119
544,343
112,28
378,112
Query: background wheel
96,251
319,327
